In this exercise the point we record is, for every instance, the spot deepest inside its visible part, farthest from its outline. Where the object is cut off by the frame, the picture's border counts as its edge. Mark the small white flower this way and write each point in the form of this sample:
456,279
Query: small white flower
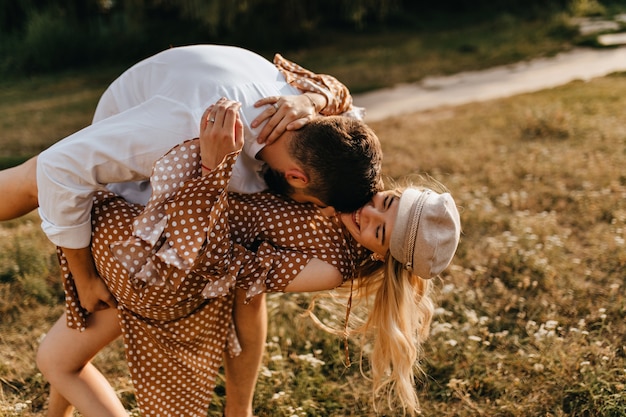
503,333
440,311
440,328
313,361
471,316
551,324
447,289
277,395
451,342
455,383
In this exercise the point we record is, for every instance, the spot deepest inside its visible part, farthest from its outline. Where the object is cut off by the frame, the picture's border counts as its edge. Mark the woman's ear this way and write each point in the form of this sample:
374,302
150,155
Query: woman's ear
296,178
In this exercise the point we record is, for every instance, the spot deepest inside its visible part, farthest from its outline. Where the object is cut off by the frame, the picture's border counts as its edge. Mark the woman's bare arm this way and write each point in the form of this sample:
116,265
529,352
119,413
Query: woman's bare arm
317,275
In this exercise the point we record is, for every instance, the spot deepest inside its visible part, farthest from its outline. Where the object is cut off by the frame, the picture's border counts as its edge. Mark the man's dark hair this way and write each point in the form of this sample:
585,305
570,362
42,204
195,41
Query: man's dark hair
342,157
276,181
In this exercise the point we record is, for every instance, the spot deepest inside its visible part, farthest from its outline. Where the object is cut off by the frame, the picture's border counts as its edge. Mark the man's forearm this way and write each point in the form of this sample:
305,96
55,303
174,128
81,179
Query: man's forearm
80,262
92,291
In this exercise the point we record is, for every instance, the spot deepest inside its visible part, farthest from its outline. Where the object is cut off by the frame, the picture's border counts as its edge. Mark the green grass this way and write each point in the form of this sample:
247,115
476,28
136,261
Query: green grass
369,61
38,111
531,317
532,313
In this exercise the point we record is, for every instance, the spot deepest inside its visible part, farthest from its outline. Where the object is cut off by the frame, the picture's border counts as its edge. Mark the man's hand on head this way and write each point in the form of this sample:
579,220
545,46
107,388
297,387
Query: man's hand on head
285,113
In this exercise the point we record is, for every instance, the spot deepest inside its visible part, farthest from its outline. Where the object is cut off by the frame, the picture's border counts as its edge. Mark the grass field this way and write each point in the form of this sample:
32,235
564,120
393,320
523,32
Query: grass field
531,317
532,313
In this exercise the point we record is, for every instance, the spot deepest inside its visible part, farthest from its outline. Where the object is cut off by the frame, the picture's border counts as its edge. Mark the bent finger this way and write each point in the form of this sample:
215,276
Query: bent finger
270,127
299,123
239,132
231,114
266,100
204,120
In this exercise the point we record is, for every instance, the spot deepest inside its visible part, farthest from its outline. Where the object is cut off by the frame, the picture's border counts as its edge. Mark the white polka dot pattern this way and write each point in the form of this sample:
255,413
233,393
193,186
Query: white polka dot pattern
172,267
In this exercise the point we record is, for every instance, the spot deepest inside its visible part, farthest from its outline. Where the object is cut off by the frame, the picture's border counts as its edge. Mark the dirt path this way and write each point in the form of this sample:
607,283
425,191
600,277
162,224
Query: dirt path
524,77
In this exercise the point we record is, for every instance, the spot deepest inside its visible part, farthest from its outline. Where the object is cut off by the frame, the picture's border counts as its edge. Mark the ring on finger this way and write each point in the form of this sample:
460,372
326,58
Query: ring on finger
212,119
276,106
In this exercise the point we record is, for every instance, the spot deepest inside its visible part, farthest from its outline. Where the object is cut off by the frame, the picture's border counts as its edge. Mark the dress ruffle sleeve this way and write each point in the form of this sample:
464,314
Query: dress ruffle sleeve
170,236
338,97
184,229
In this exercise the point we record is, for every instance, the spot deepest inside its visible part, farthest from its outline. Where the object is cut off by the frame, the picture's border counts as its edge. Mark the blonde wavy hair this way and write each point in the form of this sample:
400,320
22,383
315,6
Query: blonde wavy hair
399,310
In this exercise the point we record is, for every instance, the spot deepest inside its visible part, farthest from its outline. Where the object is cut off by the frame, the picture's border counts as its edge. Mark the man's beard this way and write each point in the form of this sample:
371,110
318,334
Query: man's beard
276,181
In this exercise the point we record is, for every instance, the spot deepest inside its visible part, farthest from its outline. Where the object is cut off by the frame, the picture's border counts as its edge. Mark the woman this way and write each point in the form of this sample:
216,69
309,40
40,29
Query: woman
173,265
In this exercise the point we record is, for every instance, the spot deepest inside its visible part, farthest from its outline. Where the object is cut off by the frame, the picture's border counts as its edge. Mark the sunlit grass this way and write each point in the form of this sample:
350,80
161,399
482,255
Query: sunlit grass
531,317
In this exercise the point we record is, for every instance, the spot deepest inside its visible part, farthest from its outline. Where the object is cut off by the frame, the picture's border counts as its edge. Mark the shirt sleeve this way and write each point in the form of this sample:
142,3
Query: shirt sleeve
338,98
117,149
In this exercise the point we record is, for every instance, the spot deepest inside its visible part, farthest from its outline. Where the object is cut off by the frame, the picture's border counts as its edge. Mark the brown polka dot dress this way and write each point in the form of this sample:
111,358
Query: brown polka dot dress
173,265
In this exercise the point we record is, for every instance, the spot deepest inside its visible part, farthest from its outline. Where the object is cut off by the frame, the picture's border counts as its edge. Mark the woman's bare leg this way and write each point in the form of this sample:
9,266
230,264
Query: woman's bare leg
18,186
242,371
58,406
64,358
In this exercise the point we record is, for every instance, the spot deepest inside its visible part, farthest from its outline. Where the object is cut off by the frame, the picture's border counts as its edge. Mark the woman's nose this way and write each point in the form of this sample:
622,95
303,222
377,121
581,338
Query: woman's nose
370,211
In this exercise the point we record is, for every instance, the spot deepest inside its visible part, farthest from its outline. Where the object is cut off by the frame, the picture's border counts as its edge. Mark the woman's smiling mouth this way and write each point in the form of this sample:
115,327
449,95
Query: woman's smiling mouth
356,218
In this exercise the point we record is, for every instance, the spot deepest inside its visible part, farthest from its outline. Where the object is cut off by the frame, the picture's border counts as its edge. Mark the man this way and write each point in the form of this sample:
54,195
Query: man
157,104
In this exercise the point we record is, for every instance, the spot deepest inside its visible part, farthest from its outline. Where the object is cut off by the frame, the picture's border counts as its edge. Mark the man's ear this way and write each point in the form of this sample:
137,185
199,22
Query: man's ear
296,178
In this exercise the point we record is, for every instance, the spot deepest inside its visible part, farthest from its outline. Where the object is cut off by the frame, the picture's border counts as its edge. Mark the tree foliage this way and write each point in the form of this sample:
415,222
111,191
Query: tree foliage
43,35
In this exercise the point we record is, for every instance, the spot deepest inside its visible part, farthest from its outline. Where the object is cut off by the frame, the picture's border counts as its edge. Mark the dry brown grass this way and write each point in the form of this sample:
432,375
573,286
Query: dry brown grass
532,317
532,313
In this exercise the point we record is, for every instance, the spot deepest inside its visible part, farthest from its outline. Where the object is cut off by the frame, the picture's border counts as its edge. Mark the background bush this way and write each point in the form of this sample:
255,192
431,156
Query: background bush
45,35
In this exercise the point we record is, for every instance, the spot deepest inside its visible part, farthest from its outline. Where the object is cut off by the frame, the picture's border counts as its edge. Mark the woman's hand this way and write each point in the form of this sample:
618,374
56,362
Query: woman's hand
221,132
286,113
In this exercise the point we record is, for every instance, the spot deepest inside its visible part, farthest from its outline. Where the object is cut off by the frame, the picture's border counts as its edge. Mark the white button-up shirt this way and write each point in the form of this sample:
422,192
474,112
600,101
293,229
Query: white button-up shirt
150,108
